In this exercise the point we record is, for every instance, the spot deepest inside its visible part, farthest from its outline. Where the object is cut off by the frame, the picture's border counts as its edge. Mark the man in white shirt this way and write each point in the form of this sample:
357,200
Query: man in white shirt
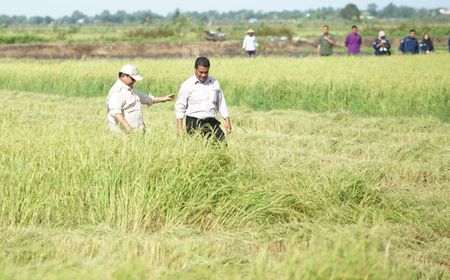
124,103
249,44
200,99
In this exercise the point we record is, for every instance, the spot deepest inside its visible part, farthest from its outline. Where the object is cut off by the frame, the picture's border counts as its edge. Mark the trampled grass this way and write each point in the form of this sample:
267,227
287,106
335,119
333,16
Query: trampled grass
295,195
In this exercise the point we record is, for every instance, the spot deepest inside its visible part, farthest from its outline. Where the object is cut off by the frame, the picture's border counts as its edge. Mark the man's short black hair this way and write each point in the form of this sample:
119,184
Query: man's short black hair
412,30
202,61
354,26
326,26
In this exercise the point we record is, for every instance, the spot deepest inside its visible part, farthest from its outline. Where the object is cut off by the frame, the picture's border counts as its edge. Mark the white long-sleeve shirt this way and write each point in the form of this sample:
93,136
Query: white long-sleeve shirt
249,43
201,100
127,101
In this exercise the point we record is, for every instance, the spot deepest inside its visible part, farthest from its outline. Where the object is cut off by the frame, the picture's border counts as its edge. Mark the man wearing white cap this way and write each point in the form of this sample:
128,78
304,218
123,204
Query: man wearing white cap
124,103
249,44
382,45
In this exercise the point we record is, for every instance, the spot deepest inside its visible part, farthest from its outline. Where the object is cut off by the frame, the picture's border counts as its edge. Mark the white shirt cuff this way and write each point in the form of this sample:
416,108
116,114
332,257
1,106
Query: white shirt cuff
179,115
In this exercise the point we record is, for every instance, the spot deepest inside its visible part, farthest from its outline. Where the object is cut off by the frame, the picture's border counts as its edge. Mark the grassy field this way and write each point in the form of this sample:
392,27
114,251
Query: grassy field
366,86
173,33
336,168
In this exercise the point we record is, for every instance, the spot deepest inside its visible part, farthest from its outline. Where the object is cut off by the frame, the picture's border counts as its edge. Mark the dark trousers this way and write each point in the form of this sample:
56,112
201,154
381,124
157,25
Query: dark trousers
251,53
207,127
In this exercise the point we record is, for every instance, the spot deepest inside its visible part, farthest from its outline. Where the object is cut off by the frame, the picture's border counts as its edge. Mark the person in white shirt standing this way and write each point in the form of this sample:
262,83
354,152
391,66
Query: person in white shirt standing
124,103
200,99
250,44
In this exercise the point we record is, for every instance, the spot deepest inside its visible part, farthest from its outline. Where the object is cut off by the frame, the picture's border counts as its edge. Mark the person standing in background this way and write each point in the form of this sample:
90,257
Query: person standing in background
426,46
250,44
382,45
448,43
326,43
353,42
409,44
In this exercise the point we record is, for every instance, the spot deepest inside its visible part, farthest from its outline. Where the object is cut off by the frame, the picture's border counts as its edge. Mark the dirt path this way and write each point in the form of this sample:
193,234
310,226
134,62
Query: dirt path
164,50
228,48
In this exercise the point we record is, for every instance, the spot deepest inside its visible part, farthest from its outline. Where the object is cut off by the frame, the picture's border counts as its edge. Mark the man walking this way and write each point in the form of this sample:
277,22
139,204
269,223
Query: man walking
326,43
409,44
200,99
124,103
249,44
353,41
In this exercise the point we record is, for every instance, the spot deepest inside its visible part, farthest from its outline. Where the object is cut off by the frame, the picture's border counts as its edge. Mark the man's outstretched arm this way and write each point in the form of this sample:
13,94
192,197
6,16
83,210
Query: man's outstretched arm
163,99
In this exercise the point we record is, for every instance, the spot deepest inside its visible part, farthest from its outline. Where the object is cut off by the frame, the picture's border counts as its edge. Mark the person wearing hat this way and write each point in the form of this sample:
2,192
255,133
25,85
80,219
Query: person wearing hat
250,44
124,103
200,99
382,45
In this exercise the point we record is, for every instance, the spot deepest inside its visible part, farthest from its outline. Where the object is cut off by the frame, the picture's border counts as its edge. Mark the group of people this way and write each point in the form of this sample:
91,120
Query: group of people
200,100
353,42
382,45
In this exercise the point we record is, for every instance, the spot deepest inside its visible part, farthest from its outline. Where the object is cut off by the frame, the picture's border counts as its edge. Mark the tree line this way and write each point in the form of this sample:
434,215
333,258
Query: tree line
350,11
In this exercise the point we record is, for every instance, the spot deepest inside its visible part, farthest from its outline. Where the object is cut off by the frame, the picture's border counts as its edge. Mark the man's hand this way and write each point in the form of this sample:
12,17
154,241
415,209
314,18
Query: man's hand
122,122
169,97
228,125
331,42
179,127
166,98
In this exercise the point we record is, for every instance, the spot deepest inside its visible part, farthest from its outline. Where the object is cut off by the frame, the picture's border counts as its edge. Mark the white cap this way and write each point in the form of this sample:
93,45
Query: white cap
381,34
132,71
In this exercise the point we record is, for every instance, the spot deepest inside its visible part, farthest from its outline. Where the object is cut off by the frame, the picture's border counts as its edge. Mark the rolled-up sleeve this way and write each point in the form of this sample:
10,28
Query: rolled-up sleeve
115,103
221,103
181,103
146,99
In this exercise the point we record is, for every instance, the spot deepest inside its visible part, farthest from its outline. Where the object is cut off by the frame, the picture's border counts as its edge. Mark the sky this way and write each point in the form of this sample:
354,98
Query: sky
58,8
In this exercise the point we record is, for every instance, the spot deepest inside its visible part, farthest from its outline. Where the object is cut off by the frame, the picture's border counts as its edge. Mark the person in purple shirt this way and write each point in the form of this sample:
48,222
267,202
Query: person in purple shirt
353,41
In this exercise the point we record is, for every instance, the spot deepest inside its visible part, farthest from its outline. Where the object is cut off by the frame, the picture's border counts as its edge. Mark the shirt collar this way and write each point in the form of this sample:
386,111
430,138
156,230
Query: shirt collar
197,81
122,84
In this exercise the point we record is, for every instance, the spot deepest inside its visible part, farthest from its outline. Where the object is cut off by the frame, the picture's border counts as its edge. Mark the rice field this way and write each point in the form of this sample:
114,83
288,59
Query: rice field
367,86
336,168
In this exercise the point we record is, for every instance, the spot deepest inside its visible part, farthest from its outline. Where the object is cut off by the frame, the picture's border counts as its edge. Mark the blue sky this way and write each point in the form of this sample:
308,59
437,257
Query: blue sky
57,8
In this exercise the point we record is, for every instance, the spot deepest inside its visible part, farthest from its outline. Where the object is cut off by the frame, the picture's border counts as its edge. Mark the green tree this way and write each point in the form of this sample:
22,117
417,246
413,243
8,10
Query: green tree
351,12
146,17
372,8
76,16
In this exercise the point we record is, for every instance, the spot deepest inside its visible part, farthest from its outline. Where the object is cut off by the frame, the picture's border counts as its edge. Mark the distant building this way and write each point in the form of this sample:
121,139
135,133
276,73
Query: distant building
253,20
444,11
366,15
